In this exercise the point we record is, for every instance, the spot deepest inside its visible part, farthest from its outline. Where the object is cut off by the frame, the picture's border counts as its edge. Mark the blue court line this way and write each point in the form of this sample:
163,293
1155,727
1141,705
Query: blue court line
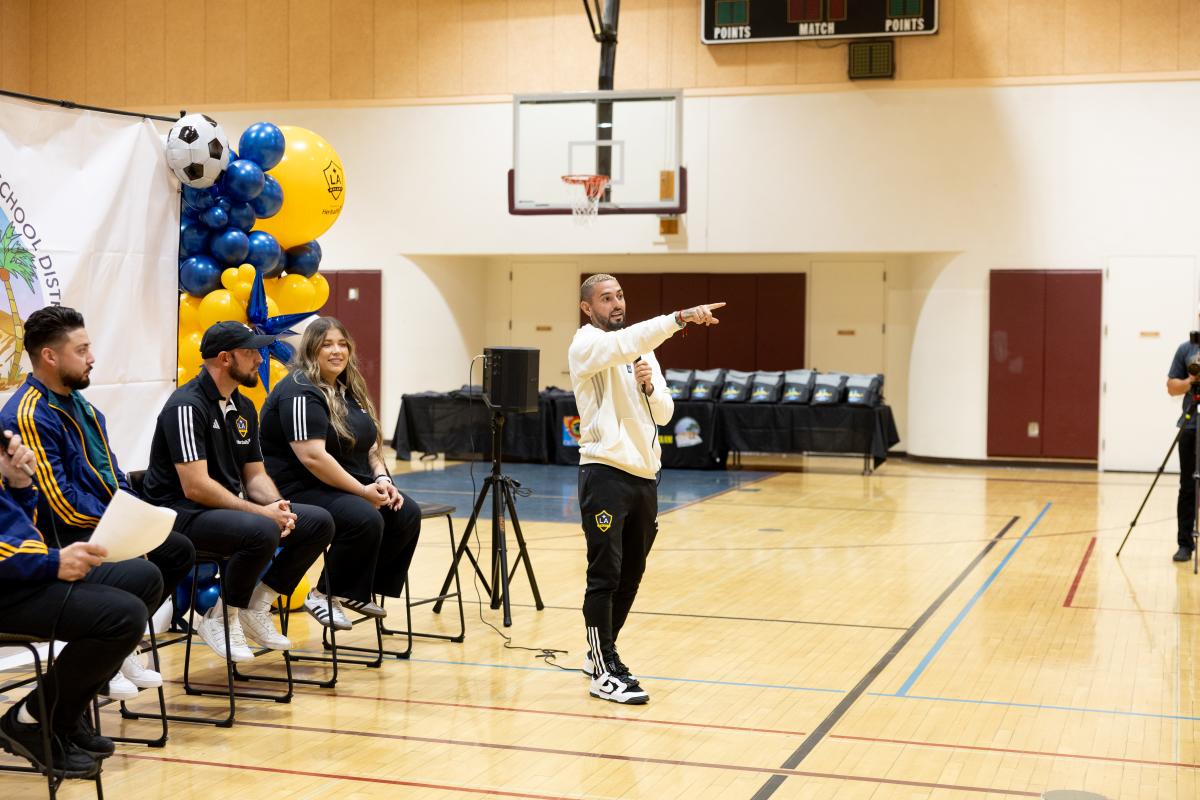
933,651
785,687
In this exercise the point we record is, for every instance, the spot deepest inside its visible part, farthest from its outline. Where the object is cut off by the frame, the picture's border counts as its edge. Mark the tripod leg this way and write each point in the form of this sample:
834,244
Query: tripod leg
463,545
1153,483
500,556
522,550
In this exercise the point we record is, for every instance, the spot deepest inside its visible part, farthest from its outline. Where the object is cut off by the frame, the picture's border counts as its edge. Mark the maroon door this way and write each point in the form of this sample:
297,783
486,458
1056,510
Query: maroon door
355,298
1071,401
779,334
687,349
732,343
1016,349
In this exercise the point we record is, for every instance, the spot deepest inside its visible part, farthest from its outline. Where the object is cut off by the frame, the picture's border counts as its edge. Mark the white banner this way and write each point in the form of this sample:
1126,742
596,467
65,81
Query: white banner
89,218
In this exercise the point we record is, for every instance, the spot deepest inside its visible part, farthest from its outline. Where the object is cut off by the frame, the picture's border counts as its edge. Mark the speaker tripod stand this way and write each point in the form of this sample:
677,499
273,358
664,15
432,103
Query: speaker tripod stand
503,490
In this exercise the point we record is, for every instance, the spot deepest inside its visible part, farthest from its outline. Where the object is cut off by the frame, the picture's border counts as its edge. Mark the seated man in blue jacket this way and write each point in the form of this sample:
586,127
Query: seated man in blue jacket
77,471
67,594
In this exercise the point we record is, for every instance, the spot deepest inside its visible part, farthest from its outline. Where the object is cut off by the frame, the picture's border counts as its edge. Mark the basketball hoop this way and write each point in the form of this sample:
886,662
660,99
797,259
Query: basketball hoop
585,206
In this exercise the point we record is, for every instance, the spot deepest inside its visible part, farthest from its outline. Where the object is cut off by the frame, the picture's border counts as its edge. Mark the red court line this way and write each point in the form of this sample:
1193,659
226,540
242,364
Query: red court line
1015,751
338,777
1087,554
639,759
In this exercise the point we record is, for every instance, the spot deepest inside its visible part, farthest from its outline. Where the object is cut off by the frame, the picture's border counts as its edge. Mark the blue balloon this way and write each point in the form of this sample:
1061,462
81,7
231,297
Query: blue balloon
263,144
241,216
192,236
269,200
199,199
243,180
224,203
207,596
304,259
199,275
215,218
264,252
229,247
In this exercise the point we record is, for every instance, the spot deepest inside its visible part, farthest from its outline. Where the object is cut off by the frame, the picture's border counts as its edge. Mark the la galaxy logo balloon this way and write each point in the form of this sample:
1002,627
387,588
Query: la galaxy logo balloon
604,521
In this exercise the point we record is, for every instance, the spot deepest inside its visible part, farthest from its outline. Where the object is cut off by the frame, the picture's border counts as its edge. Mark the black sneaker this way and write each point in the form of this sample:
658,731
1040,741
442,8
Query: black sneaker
89,741
25,741
622,689
1184,553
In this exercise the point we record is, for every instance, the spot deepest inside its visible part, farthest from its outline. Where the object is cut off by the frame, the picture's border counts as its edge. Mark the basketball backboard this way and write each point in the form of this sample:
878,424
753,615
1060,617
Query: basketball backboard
634,137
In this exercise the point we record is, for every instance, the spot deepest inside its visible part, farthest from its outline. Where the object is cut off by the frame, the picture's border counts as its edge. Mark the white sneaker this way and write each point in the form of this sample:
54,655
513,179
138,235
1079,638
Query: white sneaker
212,631
619,689
138,674
259,627
318,605
119,688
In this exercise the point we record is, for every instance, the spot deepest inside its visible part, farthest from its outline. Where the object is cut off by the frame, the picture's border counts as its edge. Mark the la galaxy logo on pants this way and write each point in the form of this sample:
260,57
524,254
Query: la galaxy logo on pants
604,521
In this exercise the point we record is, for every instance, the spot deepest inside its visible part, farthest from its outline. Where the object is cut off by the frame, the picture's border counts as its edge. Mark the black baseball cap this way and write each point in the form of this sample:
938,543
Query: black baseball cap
225,336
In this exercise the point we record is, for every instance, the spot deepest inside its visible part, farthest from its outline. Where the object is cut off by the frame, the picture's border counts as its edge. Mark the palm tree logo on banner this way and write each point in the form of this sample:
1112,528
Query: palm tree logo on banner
15,262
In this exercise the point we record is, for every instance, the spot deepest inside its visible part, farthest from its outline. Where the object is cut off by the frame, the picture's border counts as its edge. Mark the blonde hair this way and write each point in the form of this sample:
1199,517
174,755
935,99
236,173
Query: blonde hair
307,364
585,291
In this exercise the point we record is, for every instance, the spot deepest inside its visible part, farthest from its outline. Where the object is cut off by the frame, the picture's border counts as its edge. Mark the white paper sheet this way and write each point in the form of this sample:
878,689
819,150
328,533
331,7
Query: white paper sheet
131,527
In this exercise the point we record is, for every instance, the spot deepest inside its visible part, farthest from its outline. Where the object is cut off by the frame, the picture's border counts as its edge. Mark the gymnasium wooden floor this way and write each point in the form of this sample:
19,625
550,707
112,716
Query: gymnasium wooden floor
927,632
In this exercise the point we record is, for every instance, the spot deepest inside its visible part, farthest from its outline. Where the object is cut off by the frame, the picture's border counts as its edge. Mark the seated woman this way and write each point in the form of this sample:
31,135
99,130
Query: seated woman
322,445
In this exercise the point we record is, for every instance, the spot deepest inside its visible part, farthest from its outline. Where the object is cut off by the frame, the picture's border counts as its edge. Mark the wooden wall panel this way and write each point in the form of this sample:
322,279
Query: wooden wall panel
981,40
658,52
820,64
439,48
772,64
104,80
352,62
485,47
1092,36
922,58
225,42
15,45
530,45
66,50
1150,35
267,60
634,44
39,27
1035,37
183,46
145,57
310,59
685,32
1189,36
396,48
576,63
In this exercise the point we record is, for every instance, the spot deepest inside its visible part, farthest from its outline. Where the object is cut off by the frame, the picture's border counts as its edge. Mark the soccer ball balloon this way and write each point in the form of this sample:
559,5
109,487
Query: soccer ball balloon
197,150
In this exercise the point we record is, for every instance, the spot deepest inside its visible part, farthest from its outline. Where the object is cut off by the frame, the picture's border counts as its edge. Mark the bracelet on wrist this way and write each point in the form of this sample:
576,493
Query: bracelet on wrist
387,478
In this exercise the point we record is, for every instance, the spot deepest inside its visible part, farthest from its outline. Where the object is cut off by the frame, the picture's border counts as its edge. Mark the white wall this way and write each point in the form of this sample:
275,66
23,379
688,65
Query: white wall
963,180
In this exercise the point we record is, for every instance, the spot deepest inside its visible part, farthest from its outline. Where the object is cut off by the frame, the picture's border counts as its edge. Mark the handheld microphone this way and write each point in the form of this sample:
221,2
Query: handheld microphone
638,360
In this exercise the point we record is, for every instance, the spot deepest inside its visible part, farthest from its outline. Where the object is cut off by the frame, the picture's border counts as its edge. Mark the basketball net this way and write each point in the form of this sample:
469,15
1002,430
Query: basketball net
586,204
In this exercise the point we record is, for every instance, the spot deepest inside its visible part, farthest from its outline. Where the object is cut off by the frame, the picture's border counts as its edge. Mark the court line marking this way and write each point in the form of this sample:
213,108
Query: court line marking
941,641
826,725
340,777
672,762
1039,706
741,485
1087,554
734,619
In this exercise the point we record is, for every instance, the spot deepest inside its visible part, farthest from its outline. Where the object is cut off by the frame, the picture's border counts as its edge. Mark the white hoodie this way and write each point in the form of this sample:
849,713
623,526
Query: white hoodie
616,427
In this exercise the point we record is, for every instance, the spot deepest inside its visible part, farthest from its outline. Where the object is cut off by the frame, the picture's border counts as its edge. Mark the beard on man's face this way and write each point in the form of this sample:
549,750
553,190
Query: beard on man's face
249,379
614,322
77,382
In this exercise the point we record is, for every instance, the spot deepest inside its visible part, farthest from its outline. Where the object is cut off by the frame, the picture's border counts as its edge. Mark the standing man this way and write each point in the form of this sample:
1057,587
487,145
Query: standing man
1181,382
206,464
622,399
76,468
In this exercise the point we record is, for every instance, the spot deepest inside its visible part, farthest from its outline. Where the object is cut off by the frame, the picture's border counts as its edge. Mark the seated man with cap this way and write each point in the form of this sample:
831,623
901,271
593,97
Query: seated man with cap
206,464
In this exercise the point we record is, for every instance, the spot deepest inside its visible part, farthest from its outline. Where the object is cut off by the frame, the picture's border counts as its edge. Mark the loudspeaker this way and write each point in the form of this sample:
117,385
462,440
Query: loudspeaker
510,379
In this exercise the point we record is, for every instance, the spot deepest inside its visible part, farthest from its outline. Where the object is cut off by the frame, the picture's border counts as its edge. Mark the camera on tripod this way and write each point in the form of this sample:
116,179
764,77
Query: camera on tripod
1193,364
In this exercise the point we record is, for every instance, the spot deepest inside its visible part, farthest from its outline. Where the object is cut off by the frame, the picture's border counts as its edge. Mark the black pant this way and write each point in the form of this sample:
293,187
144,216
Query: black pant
619,523
249,542
101,618
1185,512
371,548
174,558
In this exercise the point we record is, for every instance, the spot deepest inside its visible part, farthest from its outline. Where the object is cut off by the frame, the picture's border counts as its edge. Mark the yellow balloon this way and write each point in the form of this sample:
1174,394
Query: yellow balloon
296,294
189,354
187,312
314,188
229,278
271,287
181,376
220,305
295,600
272,307
257,395
246,273
321,287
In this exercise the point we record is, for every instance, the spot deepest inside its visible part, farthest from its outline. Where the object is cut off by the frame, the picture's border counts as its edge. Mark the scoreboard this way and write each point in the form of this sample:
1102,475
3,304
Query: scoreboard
732,21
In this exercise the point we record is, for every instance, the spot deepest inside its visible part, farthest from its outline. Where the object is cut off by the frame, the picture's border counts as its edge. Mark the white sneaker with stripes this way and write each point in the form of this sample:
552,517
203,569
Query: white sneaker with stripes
318,604
619,689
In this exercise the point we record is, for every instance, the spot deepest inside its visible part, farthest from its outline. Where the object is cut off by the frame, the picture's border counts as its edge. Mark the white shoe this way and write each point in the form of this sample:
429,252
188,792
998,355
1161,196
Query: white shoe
619,689
318,606
212,631
139,675
259,627
119,688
